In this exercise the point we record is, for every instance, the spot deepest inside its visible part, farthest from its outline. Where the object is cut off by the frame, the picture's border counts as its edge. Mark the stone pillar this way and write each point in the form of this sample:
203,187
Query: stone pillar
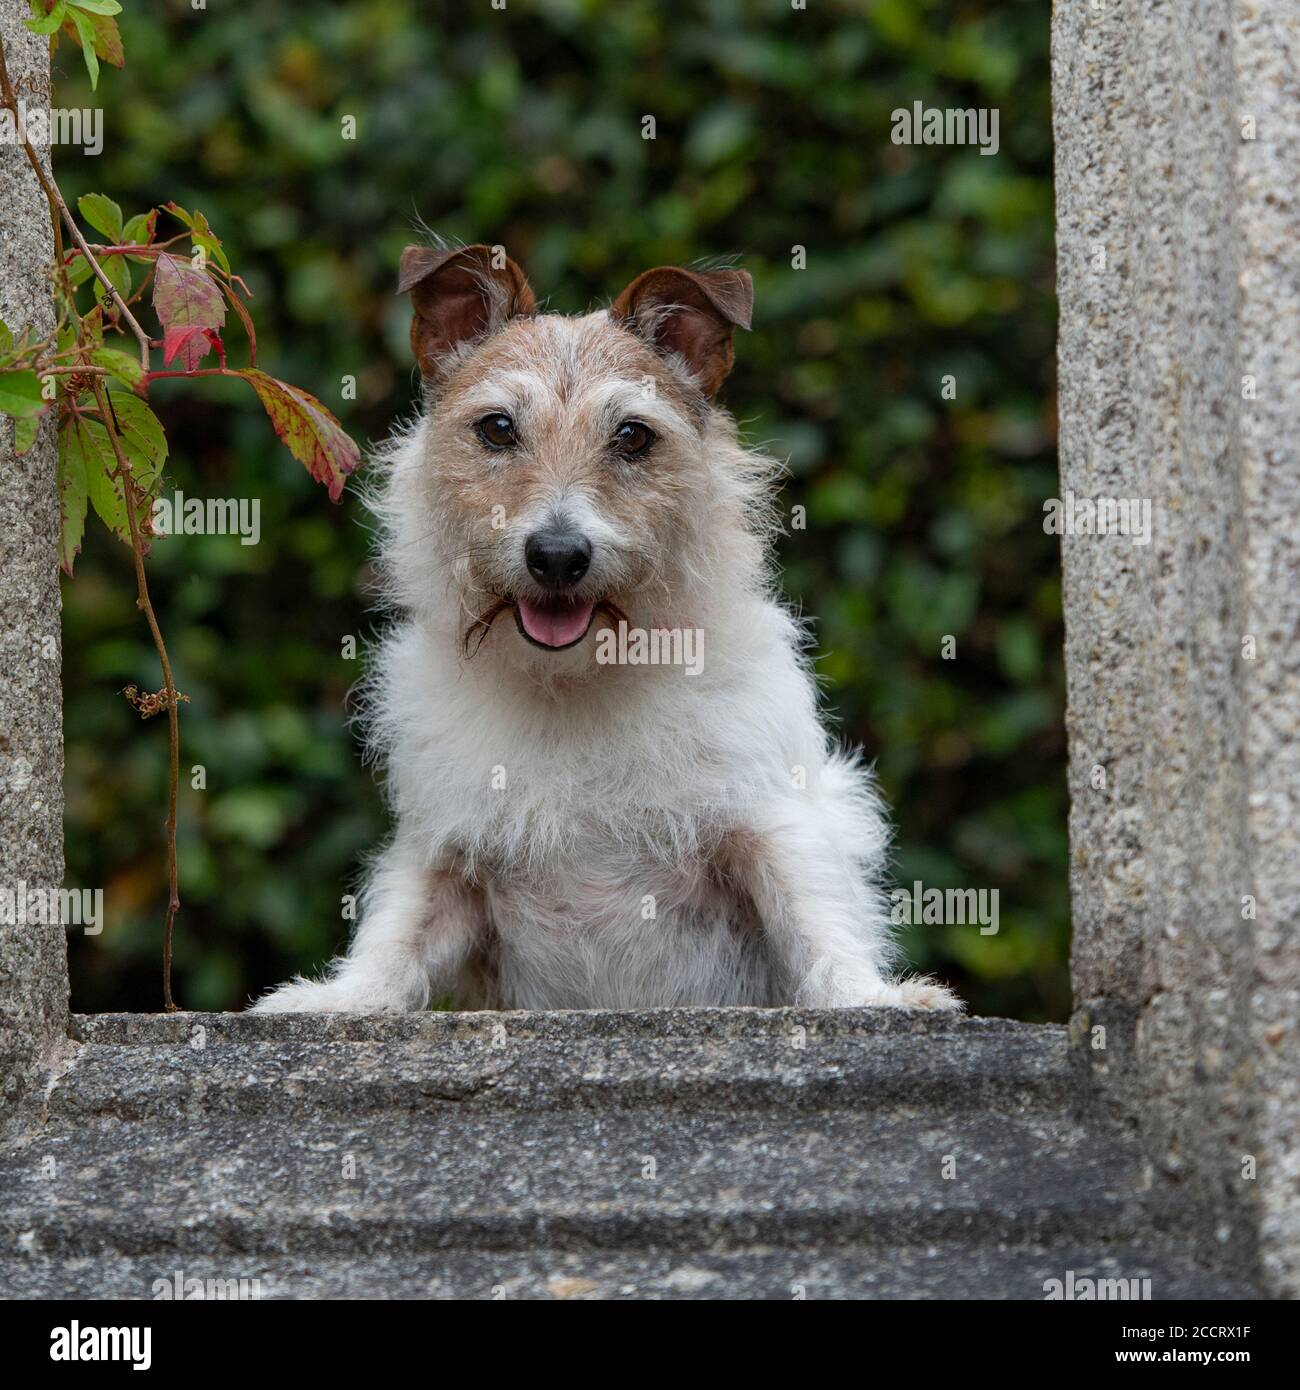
33,959
1177,126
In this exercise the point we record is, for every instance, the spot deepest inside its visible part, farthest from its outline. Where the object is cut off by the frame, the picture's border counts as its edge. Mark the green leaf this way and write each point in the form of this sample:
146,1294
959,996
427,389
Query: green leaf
87,460
139,232
143,440
118,274
125,368
20,393
12,351
103,214
311,434
73,496
79,271
92,327
89,439
97,6
139,228
46,23
202,235
211,248
25,431
86,31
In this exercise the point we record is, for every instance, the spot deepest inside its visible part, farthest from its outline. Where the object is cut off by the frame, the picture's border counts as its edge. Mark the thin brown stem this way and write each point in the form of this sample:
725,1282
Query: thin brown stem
152,248
73,370
198,371
132,496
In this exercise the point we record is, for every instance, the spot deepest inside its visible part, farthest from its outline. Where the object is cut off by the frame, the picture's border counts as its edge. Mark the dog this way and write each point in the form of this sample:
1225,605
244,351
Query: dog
576,829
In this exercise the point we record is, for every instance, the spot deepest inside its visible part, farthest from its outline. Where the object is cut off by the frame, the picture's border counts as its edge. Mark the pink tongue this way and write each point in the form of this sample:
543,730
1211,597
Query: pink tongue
555,626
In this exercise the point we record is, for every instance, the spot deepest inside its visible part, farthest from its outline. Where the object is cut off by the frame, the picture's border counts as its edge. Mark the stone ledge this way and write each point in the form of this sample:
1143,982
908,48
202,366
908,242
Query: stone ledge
792,1146
723,1024
937,1271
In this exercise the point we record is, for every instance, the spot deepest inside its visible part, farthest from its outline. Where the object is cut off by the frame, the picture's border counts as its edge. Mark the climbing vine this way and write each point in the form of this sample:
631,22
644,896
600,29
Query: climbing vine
112,448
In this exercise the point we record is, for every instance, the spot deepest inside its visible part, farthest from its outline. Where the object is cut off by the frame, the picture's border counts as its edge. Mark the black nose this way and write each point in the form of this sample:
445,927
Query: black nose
557,559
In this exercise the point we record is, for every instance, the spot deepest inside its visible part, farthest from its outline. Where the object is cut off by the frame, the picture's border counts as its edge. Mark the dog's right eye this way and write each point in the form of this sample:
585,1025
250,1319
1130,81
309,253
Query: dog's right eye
497,431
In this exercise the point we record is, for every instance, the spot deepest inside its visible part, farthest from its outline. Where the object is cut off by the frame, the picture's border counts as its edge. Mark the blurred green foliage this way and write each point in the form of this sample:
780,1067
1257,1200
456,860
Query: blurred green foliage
524,127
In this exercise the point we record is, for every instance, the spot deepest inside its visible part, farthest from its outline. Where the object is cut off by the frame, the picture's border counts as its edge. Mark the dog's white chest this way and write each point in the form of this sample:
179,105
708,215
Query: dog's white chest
611,932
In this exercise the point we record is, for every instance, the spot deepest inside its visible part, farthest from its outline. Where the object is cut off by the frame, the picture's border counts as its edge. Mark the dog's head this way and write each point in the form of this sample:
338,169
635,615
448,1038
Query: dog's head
569,470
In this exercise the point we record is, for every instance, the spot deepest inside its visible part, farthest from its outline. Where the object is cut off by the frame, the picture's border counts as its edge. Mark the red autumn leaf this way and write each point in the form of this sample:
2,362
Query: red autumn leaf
246,319
184,296
190,343
312,435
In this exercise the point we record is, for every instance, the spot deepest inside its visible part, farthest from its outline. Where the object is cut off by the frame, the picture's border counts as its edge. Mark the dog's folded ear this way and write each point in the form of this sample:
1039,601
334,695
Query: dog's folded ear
460,294
692,313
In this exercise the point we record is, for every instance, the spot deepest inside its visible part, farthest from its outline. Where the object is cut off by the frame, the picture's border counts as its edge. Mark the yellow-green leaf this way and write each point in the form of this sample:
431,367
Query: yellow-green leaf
86,33
46,23
123,366
102,213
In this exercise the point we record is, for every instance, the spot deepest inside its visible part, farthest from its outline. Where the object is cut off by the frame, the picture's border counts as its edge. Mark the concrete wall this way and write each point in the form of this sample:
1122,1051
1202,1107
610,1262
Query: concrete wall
1178,207
33,960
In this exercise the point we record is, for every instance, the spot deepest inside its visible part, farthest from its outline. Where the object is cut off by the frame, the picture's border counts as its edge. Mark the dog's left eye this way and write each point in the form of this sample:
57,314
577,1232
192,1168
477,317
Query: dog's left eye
633,438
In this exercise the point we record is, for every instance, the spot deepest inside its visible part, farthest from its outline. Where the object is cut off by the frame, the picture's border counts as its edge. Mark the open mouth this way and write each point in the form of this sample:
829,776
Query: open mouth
554,623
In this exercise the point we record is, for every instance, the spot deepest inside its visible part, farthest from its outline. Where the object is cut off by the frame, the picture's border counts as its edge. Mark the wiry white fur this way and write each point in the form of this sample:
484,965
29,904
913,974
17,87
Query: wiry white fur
717,797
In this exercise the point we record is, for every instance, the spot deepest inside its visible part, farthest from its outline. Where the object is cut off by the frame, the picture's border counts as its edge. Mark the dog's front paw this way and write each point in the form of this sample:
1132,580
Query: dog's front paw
920,992
831,989
302,996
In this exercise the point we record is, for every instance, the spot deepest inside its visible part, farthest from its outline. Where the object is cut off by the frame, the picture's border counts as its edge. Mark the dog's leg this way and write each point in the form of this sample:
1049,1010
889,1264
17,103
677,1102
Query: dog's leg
417,928
826,925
